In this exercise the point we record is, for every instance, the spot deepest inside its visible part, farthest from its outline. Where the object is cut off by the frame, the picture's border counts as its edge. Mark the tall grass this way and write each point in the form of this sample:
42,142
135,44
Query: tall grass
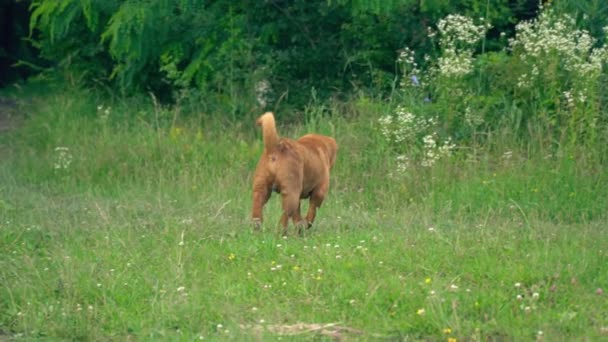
469,205
138,228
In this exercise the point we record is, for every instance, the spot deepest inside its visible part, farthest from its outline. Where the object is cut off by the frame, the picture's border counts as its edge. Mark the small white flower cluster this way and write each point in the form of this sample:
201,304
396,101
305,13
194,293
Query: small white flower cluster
459,30
523,81
262,92
569,98
403,163
455,63
410,71
551,36
433,152
103,112
404,126
472,119
458,35
405,131
386,123
63,158
529,298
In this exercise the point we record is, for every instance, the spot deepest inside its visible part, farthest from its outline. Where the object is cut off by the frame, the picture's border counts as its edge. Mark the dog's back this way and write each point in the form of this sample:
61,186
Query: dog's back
326,147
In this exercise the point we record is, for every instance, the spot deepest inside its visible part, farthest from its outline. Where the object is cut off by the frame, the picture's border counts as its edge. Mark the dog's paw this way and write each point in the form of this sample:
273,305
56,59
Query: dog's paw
308,224
301,226
257,224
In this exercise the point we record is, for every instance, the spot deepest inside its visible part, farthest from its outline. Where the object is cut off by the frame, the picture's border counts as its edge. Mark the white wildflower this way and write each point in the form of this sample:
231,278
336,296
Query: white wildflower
472,119
63,158
262,92
552,37
406,60
569,98
458,36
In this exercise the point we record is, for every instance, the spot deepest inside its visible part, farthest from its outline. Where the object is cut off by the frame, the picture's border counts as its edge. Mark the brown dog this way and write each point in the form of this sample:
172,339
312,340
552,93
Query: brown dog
297,169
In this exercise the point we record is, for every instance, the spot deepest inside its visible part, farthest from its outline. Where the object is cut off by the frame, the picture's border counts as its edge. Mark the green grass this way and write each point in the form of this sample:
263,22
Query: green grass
146,235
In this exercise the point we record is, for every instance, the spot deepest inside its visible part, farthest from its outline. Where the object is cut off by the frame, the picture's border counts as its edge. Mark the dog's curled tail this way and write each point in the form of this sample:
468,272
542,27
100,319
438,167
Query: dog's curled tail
269,131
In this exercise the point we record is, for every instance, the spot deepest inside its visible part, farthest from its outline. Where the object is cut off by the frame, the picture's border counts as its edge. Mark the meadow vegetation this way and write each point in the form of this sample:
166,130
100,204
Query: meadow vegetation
468,204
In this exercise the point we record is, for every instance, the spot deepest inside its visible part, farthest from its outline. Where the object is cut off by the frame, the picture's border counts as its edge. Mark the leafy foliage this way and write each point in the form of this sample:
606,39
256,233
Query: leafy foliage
224,48
16,54
546,89
247,56
67,33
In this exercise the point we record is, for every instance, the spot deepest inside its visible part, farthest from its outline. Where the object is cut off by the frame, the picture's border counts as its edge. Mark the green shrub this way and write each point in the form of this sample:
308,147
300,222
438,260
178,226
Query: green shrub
220,52
545,91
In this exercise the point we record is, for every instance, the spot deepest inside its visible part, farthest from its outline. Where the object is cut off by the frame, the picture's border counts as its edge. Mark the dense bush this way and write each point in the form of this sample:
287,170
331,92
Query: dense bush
225,48
462,71
13,48
547,88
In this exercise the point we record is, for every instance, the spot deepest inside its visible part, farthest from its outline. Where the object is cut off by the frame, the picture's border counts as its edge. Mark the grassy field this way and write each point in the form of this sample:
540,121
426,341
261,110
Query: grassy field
127,220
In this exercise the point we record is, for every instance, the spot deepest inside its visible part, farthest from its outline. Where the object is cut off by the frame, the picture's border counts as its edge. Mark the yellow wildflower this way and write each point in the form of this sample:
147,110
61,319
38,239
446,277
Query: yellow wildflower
175,132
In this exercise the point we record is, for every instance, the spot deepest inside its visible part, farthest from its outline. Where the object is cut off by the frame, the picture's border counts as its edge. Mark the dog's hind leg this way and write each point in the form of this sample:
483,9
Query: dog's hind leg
291,209
298,221
260,197
316,199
